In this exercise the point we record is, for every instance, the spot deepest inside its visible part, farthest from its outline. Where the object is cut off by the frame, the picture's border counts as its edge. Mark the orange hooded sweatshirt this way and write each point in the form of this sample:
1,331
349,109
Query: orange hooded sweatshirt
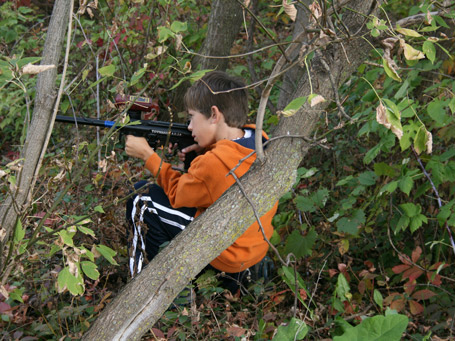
204,183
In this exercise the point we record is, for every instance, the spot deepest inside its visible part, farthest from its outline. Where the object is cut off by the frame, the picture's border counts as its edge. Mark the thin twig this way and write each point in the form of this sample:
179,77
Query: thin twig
264,28
316,285
435,190
334,88
249,53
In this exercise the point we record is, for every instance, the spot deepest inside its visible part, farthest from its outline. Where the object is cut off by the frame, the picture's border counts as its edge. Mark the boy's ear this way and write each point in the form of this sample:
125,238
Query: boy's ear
216,115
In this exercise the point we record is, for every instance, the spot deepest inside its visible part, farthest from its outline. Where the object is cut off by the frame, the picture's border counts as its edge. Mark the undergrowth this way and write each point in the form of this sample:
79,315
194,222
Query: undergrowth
368,224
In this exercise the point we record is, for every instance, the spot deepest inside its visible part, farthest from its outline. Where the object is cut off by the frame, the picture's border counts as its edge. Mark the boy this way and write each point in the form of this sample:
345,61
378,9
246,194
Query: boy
217,105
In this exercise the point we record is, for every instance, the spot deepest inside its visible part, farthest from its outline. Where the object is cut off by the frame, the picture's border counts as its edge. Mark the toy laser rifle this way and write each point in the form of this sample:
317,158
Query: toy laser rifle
155,132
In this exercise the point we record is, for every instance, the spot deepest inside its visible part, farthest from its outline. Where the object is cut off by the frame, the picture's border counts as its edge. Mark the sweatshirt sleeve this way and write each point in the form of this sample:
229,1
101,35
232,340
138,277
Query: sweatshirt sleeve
183,190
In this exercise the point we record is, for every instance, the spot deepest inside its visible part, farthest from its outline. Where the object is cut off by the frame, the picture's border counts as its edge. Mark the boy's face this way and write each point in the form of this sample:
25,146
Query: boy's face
202,128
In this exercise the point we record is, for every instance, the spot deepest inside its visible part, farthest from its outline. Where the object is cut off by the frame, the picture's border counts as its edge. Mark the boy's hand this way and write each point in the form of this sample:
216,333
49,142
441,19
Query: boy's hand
194,147
138,147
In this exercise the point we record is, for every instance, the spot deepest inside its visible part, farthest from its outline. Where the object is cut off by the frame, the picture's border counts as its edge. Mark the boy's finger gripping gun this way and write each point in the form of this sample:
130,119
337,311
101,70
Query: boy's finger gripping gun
158,134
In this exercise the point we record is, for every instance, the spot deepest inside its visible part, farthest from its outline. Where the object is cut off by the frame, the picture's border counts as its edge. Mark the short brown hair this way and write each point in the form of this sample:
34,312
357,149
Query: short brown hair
226,92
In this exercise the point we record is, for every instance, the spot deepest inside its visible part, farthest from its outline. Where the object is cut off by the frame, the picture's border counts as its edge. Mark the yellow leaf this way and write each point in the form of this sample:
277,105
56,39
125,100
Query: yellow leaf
411,53
408,32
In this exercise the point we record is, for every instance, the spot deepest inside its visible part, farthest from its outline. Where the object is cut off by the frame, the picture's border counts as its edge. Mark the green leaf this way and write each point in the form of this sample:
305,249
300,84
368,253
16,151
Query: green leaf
445,212
99,209
107,71
192,78
429,50
294,106
372,153
377,328
16,295
390,187
382,168
417,221
164,34
437,111
405,184
90,269
402,223
67,237
295,330
351,224
300,245
178,26
66,280
96,83
305,204
107,253
393,115
320,197
289,278
342,288
377,296
452,105
86,230
367,178
410,209
390,71
314,201
421,140
19,232
137,76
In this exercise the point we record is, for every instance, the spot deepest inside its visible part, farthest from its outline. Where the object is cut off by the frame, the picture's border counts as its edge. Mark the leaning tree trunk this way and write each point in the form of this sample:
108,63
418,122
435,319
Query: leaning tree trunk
223,27
37,136
142,302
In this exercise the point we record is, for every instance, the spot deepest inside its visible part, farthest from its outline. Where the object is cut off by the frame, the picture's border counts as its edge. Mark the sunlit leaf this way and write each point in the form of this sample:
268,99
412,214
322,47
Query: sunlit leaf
377,296
107,253
377,328
90,269
293,106
411,53
19,231
178,26
107,71
429,50
423,141
390,70
408,32
295,330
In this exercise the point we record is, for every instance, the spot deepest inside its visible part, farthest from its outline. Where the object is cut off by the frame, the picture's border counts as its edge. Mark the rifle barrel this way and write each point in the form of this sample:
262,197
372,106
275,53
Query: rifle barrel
152,127
84,121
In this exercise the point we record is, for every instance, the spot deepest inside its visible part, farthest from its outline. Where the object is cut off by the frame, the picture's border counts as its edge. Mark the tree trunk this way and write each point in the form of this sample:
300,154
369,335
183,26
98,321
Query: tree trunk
291,79
37,136
223,27
142,302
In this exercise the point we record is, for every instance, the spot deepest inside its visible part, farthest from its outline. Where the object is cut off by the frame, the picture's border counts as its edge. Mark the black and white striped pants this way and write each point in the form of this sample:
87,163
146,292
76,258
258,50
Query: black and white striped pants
154,222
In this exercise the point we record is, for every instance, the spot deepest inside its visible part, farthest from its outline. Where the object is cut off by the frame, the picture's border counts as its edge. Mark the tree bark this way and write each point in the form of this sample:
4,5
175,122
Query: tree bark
37,136
223,27
143,301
